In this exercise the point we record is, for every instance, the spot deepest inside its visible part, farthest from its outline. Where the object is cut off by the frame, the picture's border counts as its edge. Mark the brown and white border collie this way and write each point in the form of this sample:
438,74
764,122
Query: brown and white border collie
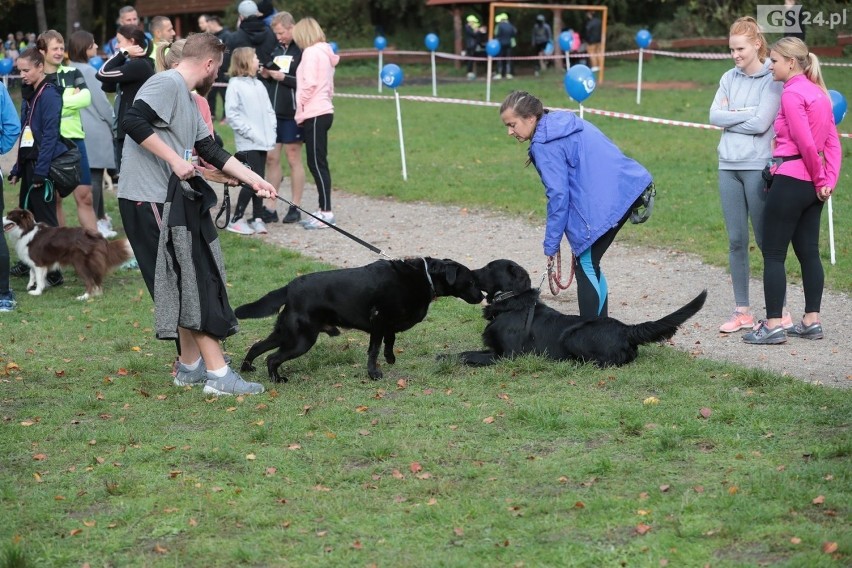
44,248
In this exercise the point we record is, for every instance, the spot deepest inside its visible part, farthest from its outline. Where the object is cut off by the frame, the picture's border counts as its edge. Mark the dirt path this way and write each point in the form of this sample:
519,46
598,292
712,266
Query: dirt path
645,283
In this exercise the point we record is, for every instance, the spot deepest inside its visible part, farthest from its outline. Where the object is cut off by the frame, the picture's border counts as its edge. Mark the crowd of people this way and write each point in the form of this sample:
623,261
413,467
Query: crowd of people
772,106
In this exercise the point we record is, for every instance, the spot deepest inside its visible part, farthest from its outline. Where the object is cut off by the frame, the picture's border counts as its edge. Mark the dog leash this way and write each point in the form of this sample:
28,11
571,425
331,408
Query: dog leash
554,276
361,242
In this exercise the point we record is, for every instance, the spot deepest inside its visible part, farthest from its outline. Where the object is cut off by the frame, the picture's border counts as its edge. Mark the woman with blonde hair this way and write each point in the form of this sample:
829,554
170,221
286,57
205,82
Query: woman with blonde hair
745,106
314,109
249,112
806,167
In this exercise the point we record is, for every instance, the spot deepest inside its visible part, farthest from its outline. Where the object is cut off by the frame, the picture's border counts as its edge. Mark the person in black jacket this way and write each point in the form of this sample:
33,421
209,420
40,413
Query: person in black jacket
251,32
280,80
214,26
124,74
593,35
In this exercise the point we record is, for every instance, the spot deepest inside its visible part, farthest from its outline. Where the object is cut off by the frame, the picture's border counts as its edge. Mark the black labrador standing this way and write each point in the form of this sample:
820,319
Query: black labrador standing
519,323
382,299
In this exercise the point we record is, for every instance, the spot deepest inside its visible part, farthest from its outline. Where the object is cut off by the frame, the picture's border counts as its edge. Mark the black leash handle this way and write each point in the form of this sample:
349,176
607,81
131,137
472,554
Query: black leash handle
361,242
225,208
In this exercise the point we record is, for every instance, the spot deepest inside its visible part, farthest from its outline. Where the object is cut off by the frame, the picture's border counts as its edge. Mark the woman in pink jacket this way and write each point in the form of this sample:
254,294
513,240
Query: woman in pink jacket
807,154
314,110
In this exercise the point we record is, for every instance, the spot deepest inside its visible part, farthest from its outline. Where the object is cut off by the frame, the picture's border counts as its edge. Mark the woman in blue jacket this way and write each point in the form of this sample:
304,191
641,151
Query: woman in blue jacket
591,188
40,143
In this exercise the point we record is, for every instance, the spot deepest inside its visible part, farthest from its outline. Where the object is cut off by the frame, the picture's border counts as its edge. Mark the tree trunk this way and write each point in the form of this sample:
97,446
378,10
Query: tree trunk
72,18
41,15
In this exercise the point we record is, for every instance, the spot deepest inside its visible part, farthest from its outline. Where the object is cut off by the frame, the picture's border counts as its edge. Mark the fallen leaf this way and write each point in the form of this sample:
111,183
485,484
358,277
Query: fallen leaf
193,522
829,547
488,420
40,457
321,488
397,474
361,408
818,500
579,505
136,348
89,524
160,549
251,457
271,471
415,467
642,528
75,532
401,384
796,540
651,400
705,412
27,423
643,512
294,447
357,545
733,490
665,488
458,531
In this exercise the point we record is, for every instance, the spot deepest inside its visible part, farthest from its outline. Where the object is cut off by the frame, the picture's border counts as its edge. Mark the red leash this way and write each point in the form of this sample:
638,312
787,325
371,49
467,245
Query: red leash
554,276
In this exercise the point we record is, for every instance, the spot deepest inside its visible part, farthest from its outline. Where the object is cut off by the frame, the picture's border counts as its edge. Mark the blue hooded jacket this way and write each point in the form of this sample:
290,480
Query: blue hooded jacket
10,124
590,184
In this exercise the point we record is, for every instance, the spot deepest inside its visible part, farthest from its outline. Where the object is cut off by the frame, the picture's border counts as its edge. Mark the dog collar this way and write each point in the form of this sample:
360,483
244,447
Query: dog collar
429,278
504,296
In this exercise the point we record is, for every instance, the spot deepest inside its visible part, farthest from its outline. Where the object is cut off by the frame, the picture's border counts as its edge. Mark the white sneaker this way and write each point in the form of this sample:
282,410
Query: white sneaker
509,76
471,76
241,227
259,227
312,223
105,228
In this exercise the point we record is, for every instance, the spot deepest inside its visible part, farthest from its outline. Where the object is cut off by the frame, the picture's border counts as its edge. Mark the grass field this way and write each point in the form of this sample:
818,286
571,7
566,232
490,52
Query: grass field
668,461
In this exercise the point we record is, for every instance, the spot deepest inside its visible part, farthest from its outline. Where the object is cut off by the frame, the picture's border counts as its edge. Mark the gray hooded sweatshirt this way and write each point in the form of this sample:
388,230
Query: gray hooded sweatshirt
746,106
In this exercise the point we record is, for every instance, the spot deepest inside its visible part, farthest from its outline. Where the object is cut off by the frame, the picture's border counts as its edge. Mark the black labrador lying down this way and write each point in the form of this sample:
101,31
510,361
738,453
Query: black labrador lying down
518,324
382,299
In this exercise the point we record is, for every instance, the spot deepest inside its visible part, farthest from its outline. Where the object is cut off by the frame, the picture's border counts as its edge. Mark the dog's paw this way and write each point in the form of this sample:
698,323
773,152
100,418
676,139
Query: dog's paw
390,358
247,367
375,374
34,292
83,297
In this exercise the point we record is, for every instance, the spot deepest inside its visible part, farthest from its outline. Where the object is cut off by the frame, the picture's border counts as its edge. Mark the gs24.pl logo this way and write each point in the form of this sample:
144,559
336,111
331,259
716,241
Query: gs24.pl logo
780,18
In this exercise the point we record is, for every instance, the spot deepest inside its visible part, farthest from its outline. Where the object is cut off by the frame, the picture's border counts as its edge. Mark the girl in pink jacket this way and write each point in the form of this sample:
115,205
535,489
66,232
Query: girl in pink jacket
314,110
808,150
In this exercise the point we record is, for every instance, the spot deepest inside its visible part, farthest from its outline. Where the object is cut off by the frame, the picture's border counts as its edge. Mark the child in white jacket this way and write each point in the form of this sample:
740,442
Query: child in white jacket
250,114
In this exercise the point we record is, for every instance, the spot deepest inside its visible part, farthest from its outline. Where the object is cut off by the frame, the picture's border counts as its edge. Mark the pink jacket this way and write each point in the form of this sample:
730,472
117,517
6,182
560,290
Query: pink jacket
315,82
805,126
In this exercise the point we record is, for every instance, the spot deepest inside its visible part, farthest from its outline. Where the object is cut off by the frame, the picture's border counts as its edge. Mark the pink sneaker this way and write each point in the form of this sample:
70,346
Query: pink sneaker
737,321
786,322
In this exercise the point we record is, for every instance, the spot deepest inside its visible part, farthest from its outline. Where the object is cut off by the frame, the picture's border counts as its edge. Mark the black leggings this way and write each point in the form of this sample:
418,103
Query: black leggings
316,144
39,200
256,160
792,215
4,252
592,290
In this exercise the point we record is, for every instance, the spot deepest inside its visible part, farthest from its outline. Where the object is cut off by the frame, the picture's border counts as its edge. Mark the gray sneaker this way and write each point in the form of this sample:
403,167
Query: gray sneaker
813,331
230,384
186,378
765,336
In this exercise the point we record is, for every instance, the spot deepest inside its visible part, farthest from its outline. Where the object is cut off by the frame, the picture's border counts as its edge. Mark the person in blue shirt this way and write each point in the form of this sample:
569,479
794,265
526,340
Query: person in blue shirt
591,188
10,128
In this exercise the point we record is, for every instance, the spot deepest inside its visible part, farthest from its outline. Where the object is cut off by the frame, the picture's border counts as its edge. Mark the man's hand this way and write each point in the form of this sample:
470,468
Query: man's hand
183,169
265,189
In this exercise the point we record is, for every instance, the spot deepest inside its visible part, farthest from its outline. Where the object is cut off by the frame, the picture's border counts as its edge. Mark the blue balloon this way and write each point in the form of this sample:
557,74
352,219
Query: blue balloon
431,42
492,48
579,83
333,45
6,66
643,38
96,61
380,43
548,48
566,38
392,75
838,106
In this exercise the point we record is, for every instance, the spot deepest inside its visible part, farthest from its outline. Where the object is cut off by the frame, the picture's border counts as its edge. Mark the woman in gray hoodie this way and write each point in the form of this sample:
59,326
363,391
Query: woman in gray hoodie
745,106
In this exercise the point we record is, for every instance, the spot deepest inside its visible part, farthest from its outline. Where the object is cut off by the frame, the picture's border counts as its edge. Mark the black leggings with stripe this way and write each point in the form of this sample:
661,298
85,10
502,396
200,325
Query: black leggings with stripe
316,144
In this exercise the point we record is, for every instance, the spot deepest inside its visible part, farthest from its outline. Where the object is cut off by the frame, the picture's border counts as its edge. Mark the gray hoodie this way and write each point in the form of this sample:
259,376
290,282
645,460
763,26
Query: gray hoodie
746,106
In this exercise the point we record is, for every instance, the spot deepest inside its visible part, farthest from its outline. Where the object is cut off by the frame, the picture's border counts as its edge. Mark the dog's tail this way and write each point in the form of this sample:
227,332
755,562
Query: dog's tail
265,306
666,327
118,251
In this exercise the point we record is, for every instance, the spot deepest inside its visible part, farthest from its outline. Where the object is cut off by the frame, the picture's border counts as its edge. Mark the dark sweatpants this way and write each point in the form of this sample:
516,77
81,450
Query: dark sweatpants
39,200
142,221
792,215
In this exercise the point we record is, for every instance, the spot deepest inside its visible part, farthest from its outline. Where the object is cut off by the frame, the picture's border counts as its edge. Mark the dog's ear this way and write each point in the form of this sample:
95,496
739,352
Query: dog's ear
520,277
451,270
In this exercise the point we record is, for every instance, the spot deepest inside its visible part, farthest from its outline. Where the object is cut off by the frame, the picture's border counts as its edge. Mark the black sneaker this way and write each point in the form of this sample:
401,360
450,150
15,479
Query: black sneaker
19,269
292,215
269,216
813,331
54,278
